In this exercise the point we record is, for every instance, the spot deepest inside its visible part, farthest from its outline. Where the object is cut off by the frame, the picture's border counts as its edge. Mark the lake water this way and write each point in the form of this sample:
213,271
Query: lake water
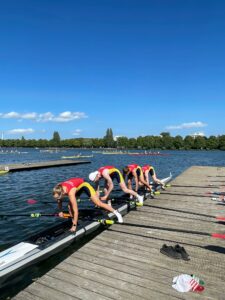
16,188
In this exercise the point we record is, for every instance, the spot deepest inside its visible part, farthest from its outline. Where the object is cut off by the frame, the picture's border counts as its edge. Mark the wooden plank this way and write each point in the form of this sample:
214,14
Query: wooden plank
47,292
24,295
90,283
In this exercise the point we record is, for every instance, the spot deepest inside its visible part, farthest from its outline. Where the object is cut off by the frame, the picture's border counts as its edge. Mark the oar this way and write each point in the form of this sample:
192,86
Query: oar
213,235
220,199
127,200
35,215
216,193
33,201
220,218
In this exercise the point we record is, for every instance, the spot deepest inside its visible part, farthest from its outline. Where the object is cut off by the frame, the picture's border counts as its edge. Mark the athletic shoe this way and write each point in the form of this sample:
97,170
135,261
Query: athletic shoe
140,199
152,195
182,252
170,251
119,216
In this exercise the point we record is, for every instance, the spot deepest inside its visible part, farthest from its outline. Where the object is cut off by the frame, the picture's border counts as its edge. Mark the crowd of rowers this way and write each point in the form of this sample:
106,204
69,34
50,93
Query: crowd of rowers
74,187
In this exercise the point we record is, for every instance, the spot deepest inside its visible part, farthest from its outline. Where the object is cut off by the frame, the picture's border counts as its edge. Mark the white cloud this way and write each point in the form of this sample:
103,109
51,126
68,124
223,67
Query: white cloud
11,115
187,125
30,116
45,117
20,131
77,132
66,116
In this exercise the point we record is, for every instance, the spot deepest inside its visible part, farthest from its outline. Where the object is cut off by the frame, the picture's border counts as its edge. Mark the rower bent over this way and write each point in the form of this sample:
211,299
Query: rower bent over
148,169
73,187
134,171
109,173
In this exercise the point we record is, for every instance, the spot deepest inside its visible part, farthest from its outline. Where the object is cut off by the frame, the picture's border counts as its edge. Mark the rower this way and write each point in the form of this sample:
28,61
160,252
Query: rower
109,173
135,171
148,169
73,187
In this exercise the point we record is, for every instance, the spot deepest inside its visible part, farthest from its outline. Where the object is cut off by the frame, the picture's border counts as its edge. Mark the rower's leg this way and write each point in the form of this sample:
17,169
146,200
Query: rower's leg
99,203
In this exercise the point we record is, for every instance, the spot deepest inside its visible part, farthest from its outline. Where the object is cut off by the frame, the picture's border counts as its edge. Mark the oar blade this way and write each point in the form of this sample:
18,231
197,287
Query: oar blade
31,201
220,218
218,235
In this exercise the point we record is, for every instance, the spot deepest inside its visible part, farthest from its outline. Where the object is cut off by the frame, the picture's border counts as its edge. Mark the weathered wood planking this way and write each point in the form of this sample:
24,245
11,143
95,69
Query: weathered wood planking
124,262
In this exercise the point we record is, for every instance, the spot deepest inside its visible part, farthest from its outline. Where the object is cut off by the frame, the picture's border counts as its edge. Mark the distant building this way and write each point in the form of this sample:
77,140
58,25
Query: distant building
116,137
196,134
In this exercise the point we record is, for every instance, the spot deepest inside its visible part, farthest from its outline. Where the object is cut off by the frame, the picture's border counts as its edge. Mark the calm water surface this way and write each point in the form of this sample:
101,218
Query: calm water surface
16,188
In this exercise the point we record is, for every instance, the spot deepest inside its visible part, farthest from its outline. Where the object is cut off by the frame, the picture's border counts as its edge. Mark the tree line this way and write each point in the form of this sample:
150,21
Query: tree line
163,142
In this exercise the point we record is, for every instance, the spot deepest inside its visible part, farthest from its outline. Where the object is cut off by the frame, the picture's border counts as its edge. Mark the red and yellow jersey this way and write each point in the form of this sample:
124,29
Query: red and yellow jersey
113,173
72,183
133,167
102,169
147,168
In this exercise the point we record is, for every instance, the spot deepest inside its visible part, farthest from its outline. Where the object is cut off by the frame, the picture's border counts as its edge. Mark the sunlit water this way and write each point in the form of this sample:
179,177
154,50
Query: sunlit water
16,188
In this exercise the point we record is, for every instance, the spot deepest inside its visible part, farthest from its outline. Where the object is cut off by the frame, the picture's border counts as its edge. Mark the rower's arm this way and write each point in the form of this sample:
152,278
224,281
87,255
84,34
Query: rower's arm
109,184
97,188
73,205
136,180
59,203
146,177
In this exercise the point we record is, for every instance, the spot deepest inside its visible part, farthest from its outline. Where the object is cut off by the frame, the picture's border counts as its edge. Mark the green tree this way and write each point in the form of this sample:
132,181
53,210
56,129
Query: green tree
200,142
189,142
55,142
108,138
222,142
178,142
212,143
122,142
132,143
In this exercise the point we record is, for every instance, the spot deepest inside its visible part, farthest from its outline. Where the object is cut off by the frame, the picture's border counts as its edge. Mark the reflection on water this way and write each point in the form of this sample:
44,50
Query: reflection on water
16,188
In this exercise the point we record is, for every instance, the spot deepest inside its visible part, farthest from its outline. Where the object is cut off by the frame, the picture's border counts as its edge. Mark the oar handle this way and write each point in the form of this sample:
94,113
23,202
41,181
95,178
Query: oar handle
38,215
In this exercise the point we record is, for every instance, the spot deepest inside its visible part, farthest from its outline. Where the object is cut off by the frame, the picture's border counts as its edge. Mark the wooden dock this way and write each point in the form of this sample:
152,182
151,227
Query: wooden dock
41,165
125,262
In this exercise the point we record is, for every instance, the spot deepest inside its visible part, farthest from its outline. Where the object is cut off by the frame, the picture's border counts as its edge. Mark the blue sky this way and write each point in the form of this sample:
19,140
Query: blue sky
140,67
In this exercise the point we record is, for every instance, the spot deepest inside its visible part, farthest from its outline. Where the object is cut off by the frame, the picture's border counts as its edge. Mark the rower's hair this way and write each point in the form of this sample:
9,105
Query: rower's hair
58,189
125,170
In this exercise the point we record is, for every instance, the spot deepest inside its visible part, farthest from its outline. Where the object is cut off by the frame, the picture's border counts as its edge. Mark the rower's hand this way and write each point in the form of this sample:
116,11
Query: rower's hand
104,198
61,215
73,228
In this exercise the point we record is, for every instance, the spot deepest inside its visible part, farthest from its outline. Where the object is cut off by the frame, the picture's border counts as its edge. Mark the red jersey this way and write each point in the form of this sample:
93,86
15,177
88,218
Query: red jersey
100,170
132,167
146,168
72,183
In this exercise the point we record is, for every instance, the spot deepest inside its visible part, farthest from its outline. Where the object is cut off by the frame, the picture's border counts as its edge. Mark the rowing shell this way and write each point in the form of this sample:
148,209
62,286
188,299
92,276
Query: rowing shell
77,156
47,243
